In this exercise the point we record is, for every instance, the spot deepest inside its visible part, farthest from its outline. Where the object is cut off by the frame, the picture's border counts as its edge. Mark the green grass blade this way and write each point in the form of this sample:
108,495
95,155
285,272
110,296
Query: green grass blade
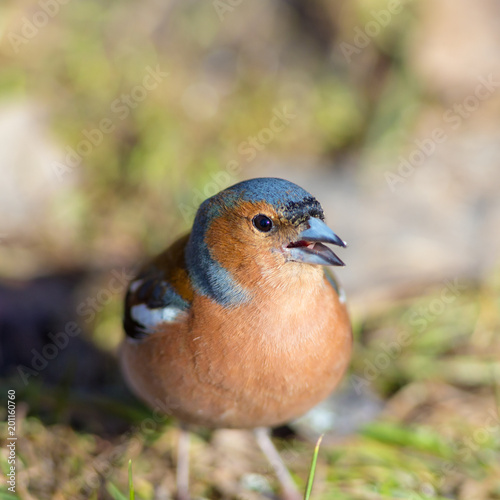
115,493
130,481
312,472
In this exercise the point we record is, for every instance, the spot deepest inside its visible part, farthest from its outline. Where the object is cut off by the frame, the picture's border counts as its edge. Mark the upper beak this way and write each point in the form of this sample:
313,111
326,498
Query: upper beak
309,248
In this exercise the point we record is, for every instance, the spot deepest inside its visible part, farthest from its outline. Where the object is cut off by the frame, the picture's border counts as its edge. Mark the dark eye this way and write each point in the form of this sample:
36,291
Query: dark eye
262,223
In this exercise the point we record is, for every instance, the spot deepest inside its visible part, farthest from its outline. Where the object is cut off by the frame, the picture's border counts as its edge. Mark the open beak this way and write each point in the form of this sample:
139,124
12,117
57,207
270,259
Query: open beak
309,248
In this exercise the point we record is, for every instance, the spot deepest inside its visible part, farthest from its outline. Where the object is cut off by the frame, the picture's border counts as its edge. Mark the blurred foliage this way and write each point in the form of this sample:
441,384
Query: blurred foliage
226,73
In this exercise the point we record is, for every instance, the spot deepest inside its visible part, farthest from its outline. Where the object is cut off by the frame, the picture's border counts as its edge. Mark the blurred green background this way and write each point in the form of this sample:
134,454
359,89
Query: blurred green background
117,118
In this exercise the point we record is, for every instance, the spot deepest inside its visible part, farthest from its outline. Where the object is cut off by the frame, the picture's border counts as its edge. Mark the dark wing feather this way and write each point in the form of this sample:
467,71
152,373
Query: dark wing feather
159,293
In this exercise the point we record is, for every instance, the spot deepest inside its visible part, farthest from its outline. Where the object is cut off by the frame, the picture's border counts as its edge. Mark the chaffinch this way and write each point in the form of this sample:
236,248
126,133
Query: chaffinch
237,324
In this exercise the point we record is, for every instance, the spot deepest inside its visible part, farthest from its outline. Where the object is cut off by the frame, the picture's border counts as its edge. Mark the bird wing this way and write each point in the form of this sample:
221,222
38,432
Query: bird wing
332,279
159,294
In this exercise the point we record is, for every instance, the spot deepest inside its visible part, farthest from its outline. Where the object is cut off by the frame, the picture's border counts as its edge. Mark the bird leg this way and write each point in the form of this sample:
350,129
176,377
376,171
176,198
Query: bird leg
289,489
183,465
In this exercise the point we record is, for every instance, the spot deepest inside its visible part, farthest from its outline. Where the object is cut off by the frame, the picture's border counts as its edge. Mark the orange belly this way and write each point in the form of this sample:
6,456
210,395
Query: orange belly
265,372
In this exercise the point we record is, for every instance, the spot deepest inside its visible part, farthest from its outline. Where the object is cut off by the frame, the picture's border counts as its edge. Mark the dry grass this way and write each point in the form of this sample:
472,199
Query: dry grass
437,437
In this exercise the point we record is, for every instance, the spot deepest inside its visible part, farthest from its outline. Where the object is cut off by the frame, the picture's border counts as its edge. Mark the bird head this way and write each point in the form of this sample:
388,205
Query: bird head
257,229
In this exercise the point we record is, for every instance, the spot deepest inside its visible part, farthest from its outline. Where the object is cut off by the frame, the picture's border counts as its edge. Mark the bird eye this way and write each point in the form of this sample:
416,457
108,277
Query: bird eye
262,223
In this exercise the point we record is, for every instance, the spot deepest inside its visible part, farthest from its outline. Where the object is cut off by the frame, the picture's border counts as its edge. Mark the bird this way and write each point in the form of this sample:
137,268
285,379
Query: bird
239,323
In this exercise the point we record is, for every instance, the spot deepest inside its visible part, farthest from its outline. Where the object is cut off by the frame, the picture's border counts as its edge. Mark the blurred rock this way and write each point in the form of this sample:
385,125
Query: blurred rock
344,412
36,202
27,182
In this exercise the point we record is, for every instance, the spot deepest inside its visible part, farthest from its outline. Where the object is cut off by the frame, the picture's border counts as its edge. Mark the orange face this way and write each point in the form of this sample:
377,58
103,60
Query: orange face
254,243
234,238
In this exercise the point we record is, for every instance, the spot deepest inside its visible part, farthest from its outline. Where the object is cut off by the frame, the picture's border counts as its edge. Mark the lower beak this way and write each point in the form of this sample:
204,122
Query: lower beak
309,248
